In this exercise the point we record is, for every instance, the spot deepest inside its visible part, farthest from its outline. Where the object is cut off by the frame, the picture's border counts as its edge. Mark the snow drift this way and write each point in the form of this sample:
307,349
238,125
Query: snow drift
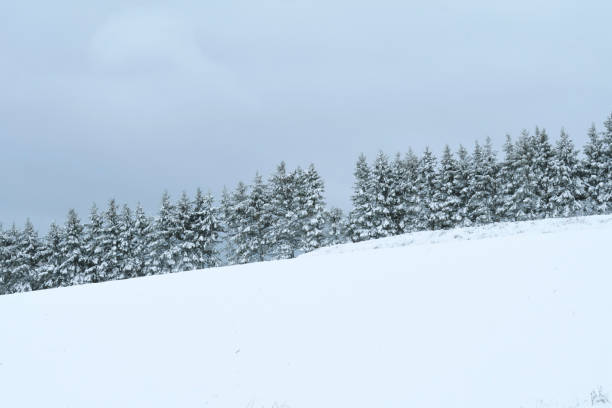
507,315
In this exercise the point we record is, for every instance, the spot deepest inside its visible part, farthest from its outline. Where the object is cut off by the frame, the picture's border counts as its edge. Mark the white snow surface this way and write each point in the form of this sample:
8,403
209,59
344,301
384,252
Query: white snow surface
507,315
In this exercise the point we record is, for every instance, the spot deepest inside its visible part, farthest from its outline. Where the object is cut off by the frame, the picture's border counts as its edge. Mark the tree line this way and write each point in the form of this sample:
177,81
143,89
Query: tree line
286,214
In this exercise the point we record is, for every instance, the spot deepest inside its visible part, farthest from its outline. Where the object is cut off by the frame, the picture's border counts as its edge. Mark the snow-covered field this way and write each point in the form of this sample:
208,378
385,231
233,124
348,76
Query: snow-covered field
508,315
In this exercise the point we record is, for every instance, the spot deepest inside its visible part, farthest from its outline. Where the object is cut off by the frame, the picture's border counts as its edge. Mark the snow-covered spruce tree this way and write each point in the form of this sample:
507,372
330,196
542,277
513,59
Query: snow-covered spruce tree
111,256
258,222
51,258
143,235
462,186
524,198
507,183
382,198
164,248
29,254
185,237
335,227
566,184
607,167
397,203
593,173
311,209
9,282
408,190
361,217
428,184
542,172
283,235
129,264
73,252
447,196
234,209
3,257
482,185
93,231
205,229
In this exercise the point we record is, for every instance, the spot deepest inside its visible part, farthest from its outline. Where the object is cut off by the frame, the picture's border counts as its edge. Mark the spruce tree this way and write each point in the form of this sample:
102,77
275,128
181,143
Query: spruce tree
482,185
72,251
283,234
29,254
566,184
258,222
93,232
447,195
143,235
507,182
525,200
361,217
409,191
541,172
51,258
382,198
428,184
607,165
235,207
111,256
185,236
335,227
594,174
164,247
311,210
129,263
205,228
463,185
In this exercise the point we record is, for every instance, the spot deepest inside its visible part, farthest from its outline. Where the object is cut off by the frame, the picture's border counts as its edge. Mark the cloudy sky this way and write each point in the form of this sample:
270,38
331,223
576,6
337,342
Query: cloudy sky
127,98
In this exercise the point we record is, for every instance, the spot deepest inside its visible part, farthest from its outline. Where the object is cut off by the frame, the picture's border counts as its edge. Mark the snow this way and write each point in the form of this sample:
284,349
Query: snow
507,315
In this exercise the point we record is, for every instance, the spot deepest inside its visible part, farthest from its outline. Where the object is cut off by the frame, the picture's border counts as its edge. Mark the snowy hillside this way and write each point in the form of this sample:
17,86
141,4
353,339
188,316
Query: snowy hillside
507,315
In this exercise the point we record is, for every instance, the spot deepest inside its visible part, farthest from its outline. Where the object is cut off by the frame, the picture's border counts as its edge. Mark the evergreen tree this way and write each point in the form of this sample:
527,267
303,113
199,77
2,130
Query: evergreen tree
235,209
382,198
463,185
129,263
566,184
258,222
111,256
361,217
447,195
335,227
4,258
409,193
29,254
164,248
72,251
185,236
93,232
311,209
542,173
51,258
205,229
594,173
142,238
507,183
482,185
283,234
607,166
525,202
428,184
397,203
10,282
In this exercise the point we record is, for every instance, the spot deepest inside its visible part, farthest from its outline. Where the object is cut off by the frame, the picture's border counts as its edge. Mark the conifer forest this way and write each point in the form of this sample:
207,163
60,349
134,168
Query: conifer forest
285,214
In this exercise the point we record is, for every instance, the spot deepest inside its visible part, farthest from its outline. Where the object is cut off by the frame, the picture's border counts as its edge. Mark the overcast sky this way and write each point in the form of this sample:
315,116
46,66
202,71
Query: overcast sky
123,99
